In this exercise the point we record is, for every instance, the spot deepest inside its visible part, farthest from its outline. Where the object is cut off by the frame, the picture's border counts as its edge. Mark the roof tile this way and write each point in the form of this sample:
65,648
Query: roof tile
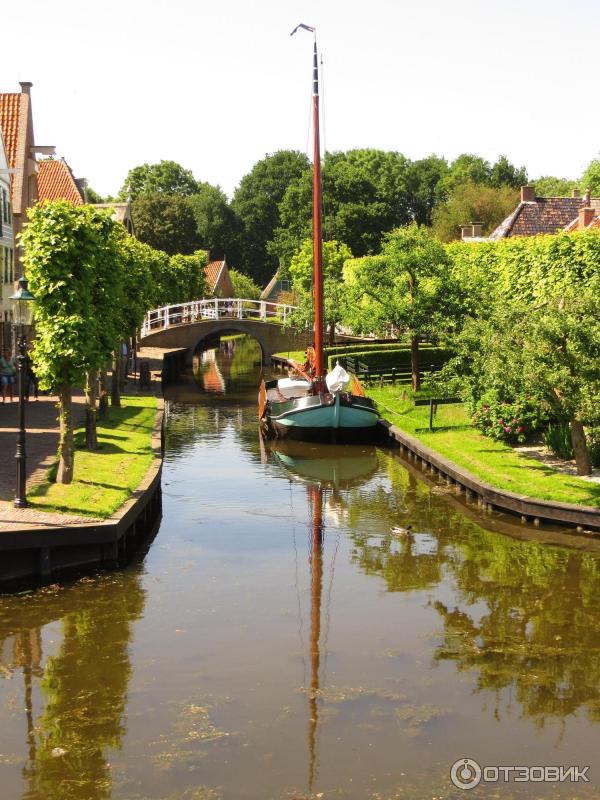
56,182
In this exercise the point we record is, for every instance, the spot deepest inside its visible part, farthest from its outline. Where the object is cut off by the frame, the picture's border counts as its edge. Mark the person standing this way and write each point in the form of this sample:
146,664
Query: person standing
8,374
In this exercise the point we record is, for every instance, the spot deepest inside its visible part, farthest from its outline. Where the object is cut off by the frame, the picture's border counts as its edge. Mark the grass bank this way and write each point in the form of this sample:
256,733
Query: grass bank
105,478
495,463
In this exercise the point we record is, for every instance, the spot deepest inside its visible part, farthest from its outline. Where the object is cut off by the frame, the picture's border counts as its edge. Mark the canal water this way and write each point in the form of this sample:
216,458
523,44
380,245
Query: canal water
280,640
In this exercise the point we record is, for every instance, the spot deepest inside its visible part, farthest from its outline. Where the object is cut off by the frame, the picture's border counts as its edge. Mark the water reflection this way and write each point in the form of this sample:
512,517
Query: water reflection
81,686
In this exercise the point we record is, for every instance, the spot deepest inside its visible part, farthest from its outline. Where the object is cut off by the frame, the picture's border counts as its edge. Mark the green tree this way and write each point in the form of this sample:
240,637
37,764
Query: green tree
256,204
423,178
503,173
93,196
405,289
166,177
335,254
473,202
365,193
243,285
217,225
67,251
551,186
165,222
591,177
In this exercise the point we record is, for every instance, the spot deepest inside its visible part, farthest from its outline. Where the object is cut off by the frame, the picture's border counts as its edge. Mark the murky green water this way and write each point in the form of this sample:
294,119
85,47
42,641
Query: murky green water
279,641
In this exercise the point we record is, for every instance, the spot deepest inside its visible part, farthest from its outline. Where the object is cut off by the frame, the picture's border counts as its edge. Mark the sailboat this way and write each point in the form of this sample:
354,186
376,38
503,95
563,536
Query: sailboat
317,406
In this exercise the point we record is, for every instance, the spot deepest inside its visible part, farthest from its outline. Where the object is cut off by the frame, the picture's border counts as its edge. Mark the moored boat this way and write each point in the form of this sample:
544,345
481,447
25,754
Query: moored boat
315,406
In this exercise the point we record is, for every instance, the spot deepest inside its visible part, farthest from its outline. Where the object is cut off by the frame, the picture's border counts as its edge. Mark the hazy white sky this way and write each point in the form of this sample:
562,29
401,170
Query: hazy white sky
216,84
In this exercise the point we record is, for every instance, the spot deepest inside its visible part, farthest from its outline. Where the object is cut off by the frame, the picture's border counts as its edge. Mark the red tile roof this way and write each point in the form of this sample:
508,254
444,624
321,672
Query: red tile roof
56,182
10,110
212,271
542,215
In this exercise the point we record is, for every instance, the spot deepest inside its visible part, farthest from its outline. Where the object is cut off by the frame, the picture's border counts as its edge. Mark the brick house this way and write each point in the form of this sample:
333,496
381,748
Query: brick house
536,215
218,281
56,181
7,248
16,122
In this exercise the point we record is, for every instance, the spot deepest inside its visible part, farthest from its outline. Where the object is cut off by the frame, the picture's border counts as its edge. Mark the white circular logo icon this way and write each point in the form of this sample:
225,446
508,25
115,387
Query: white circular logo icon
465,773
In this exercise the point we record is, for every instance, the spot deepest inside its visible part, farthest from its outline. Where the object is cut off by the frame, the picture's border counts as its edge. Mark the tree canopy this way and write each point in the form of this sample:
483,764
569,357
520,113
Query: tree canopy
166,177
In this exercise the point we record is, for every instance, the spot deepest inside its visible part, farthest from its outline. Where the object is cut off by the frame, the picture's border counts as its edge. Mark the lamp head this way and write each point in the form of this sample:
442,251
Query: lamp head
22,301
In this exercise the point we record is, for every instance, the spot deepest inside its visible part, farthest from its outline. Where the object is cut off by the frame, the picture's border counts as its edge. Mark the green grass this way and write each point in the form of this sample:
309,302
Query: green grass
297,355
497,464
105,478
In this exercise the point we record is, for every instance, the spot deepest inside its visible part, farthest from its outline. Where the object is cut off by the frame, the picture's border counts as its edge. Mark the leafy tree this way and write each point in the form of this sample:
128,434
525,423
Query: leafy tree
217,226
93,196
550,186
301,272
405,289
591,177
365,192
165,222
503,173
423,178
472,202
243,285
67,253
256,204
167,177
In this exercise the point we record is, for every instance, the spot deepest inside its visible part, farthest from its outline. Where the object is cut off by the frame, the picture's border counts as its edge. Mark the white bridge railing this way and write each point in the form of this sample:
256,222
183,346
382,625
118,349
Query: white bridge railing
217,308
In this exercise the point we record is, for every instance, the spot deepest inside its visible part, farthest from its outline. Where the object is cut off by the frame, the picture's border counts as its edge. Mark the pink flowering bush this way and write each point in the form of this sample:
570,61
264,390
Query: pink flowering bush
507,421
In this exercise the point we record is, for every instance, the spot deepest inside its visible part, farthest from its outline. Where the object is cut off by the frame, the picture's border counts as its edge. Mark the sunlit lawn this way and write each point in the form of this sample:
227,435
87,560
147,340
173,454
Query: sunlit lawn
104,479
496,463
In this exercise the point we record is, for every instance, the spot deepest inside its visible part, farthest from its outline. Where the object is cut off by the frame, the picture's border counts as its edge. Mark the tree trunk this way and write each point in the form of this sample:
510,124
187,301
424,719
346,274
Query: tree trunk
414,363
115,397
65,445
103,398
332,333
91,433
582,459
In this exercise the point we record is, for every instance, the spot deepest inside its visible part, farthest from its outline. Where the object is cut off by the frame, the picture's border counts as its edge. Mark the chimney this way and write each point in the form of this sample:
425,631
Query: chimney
587,197
575,192
586,215
528,194
25,86
466,232
477,229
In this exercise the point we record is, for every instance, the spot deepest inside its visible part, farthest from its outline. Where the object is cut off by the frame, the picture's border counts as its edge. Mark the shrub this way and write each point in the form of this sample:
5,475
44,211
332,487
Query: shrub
507,421
557,438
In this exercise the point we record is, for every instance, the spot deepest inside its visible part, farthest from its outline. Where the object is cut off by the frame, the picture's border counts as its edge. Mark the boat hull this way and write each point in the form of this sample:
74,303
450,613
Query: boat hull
338,418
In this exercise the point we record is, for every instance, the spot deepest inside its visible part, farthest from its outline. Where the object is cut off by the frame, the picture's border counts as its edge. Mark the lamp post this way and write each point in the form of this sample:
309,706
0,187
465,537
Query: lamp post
22,303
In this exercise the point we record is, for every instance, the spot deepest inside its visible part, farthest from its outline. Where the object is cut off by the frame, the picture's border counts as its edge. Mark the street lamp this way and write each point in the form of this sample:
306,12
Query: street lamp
23,311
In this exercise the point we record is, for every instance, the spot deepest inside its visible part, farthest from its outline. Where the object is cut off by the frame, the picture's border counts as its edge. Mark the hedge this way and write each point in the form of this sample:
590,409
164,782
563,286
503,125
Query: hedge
385,360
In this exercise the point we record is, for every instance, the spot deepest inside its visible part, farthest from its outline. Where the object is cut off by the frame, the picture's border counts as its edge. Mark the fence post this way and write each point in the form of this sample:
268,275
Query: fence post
431,413
263,310
393,376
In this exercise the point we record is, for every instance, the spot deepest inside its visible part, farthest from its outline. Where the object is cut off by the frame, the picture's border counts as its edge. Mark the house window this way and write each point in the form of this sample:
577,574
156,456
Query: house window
4,206
11,258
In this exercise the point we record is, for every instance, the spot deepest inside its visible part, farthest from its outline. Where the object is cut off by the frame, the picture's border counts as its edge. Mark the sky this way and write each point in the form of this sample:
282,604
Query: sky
217,84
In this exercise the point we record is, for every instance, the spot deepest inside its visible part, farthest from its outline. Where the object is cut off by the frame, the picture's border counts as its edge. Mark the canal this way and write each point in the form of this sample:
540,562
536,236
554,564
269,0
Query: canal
307,623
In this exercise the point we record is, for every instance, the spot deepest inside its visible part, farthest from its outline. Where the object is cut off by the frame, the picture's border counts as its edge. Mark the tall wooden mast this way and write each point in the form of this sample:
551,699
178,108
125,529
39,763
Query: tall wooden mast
319,381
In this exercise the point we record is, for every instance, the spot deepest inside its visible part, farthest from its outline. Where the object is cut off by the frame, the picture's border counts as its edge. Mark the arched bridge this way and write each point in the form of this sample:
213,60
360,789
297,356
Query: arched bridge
190,324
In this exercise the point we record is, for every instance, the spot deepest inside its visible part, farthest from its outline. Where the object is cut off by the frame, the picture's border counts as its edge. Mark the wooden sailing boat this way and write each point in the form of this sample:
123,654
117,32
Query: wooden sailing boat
317,407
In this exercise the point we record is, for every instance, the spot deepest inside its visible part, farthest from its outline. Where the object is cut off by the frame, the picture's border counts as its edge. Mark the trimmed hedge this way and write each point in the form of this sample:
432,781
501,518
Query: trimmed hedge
384,360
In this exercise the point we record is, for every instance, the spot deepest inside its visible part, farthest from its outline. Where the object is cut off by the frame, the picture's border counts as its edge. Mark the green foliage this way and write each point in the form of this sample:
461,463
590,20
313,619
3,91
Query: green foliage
217,226
167,177
365,192
557,438
469,168
69,255
187,280
550,186
472,202
93,196
256,204
405,289
591,177
507,421
165,222
379,360
301,274
243,285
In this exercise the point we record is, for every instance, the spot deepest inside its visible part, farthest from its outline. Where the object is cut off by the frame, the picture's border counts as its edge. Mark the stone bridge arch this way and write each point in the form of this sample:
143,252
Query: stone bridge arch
271,336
